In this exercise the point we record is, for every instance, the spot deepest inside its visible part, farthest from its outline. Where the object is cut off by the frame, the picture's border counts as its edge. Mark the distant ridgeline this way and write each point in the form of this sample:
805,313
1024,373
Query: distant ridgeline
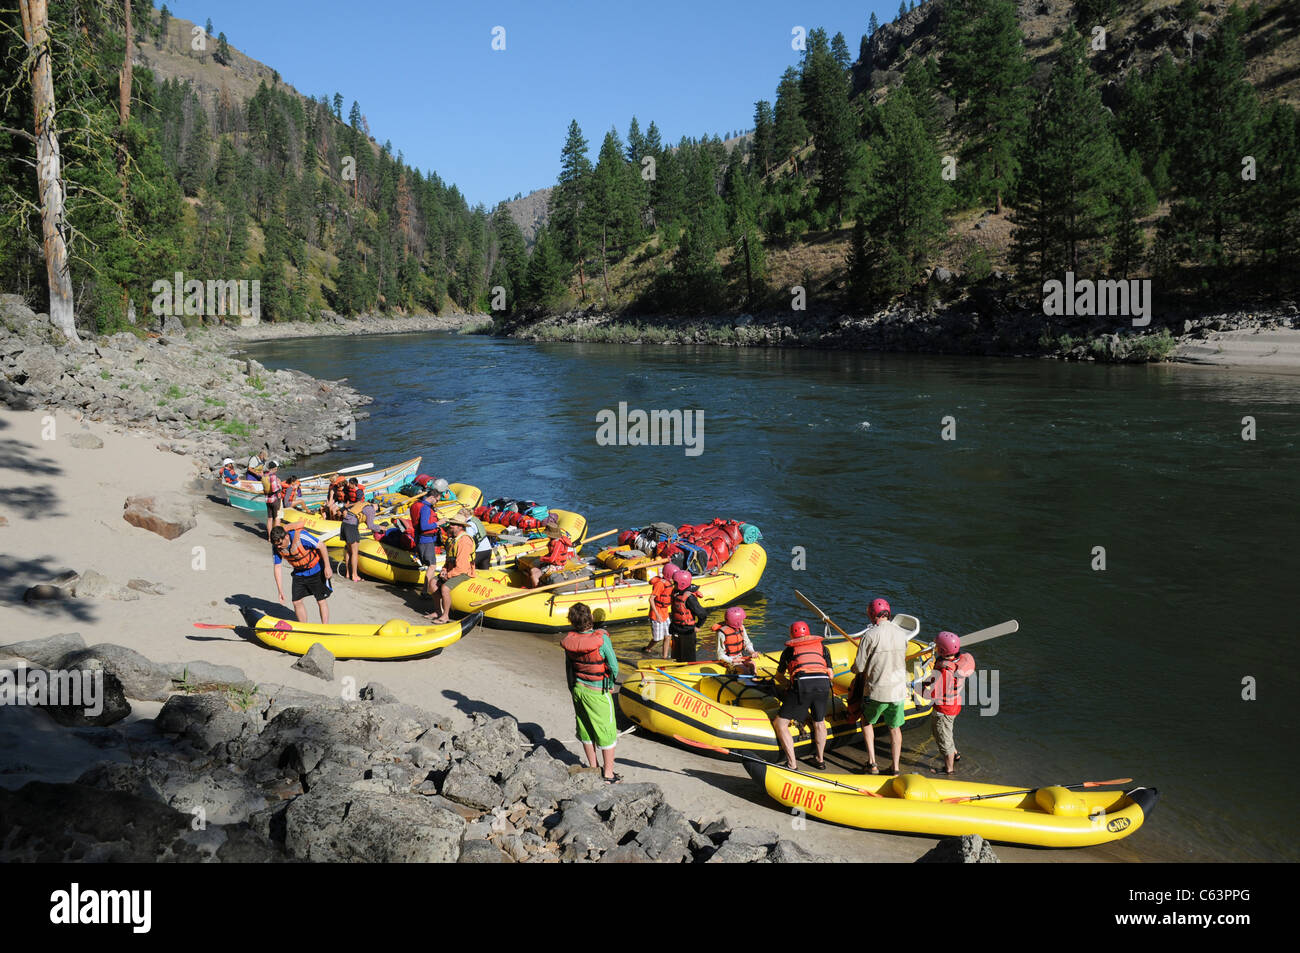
970,139
225,174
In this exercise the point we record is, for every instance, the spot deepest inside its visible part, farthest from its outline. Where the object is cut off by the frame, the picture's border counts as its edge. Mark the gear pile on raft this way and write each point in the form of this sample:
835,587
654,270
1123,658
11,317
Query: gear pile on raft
524,565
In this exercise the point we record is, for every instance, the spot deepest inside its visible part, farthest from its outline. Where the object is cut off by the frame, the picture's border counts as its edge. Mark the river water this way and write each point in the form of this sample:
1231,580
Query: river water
1169,665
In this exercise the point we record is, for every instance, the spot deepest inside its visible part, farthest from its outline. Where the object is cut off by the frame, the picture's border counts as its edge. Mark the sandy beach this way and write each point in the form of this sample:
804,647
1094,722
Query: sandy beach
67,514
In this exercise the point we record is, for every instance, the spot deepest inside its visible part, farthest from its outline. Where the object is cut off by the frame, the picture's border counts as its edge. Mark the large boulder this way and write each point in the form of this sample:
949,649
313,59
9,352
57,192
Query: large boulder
466,784
102,702
47,652
207,720
168,515
323,827
140,677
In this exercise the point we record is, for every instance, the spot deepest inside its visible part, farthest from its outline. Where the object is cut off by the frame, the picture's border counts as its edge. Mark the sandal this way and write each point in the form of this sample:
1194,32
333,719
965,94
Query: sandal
819,764
872,768
614,780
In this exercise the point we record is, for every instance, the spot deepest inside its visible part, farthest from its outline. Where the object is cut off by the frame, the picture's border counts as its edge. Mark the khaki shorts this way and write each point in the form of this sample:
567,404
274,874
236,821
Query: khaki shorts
941,728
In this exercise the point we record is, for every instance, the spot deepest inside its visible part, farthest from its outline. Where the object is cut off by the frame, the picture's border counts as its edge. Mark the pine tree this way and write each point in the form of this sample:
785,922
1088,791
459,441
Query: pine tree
1064,207
873,24
569,201
903,205
831,120
840,52
1216,129
164,23
789,129
612,211
207,27
1274,197
544,282
763,136
1132,198
902,9
222,55
338,106
986,62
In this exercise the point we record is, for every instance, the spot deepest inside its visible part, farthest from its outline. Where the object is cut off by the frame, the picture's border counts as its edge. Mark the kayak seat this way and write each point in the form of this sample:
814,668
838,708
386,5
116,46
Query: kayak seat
1061,802
914,787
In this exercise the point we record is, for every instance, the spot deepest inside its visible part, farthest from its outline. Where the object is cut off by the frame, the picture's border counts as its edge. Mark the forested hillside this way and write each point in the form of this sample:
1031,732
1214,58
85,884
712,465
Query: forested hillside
220,171
980,140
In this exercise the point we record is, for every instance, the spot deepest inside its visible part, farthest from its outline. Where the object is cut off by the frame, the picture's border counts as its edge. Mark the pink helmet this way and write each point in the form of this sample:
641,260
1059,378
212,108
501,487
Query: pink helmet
878,608
735,617
947,643
683,579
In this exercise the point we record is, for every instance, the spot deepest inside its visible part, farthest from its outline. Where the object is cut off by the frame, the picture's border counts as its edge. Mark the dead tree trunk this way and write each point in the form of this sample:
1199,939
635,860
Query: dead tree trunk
48,174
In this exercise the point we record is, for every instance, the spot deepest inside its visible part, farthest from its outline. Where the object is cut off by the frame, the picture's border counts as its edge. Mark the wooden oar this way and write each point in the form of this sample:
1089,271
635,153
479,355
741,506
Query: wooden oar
1081,784
592,539
211,625
982,635
749,757
825,618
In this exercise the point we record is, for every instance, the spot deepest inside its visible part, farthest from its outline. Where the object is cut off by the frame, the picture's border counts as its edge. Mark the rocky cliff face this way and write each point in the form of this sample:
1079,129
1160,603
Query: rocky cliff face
531,212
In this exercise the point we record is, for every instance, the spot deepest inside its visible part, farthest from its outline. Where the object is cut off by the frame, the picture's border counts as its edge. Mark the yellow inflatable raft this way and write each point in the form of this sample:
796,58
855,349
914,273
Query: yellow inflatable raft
613,597
702,702
394,639
911,803
388,506
387,563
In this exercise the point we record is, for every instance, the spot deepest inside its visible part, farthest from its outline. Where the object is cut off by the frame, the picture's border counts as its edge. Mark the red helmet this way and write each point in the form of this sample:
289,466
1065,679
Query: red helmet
947,643
735,617
878,608
683,579
799,630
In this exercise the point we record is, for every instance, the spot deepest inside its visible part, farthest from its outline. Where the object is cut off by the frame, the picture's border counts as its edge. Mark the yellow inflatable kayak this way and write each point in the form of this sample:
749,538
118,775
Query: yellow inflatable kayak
388,506
702,702
386,563
613,597
911,803
394,639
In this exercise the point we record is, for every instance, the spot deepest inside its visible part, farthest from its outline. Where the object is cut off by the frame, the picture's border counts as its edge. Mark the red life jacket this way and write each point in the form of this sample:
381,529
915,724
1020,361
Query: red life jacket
733,640
424,522
558,553
353,493
681,614
300,558
949,676
807,658
583,649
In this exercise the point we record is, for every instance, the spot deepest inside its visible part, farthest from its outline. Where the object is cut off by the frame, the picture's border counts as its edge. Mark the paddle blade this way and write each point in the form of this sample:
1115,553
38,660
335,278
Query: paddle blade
211,625
1105,784
992,632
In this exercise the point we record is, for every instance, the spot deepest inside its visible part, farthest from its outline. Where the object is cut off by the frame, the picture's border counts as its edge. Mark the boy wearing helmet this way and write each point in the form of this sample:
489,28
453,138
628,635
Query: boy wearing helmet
882,660
951,668
734,647
808,661
661,606
685,617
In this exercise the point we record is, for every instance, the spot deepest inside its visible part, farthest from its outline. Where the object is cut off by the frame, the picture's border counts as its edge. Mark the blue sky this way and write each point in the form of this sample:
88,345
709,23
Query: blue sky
492,122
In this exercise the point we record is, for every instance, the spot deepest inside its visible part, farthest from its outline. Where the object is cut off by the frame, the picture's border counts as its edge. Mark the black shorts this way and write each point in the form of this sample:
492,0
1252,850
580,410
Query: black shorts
807,696
351,533
483,560
272,509
313,585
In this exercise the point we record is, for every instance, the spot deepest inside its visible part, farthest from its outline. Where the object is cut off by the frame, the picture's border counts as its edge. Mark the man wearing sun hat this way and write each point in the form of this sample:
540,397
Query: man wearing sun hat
457,566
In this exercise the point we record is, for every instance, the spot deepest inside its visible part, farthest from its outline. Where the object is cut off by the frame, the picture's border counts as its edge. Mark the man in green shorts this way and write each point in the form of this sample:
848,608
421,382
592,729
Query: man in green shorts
882,658
591,669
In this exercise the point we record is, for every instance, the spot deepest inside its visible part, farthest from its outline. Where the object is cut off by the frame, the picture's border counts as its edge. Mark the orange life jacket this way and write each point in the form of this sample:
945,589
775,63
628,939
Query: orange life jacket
733,640
583,649
558,553
300,558
292,494
661,594
807,658
353,493
681,614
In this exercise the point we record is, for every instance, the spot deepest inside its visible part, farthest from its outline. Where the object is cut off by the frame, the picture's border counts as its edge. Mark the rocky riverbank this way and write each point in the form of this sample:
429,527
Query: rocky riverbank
335,325
974,326
176,384
266,774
